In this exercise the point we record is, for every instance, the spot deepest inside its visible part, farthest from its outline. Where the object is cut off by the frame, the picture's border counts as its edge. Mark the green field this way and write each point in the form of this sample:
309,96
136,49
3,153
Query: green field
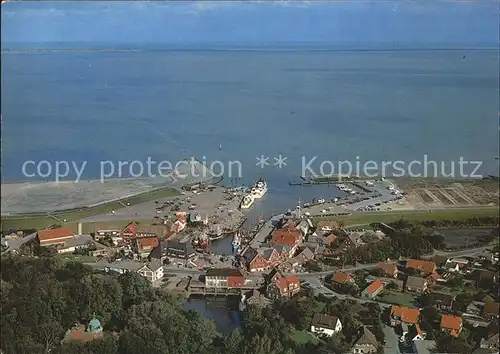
381,216
397,298
70,217
302,337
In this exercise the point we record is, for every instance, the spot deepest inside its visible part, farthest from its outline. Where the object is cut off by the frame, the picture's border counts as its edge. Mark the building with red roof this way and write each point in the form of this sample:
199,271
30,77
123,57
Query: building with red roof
342,278
284,287
50,237
451,324
373,289
400,314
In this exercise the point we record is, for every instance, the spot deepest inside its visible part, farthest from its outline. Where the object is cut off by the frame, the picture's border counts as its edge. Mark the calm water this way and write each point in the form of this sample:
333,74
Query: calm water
224,311
165,104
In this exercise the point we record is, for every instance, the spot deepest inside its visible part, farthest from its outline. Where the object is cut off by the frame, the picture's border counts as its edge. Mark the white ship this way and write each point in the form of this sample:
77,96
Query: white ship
259,189
247,201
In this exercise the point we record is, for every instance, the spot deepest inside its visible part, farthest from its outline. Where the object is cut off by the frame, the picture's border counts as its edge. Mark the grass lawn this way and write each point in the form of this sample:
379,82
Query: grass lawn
40,221
368,218
397,298
302,337
69,257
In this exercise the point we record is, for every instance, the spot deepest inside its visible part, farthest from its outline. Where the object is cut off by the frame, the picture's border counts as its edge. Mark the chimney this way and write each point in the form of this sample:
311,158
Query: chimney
79,228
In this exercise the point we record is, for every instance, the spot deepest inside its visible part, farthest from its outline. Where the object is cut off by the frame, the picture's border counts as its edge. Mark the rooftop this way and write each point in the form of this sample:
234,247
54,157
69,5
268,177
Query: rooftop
51,234
324,321
406,314
223,272
341,277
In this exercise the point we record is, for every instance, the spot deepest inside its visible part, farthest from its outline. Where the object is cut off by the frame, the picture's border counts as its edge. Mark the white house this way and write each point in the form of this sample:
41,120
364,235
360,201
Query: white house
325,324
152,271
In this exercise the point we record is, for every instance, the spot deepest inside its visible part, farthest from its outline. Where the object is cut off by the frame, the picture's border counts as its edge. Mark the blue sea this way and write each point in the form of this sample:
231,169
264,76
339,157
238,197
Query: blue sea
95,105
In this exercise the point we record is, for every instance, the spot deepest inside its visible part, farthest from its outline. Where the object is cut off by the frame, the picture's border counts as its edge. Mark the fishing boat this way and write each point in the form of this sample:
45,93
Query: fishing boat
247,201
259,189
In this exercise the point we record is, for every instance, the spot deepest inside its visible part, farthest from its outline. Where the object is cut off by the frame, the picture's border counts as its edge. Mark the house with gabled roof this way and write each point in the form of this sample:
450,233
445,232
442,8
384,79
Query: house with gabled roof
373,289
152,271
144,245
340,277
401,314
451,324
254,261
389,269
416,284
324,324
424,267
365,342
284,287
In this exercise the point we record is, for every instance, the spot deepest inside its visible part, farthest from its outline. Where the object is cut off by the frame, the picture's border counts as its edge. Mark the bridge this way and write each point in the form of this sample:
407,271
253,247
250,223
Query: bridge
199,288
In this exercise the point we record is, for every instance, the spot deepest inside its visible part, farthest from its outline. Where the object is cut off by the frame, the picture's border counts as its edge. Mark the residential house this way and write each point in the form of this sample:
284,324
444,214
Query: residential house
325,324
485,279
372,236
365,342
305,255
254,297
326,226
342,278
451,324
440,261
424,267
399,283
442,301
284,251
389,269
456,264
51,237
353,239
290,237
103,232
144,245
254,261
491,310
272,256
152,271
492,342
284,287
198,219
400,314
178,225
373,289
274,274
475,321
303,227
178,252
224,278
329,239
411,332
416,284
433,278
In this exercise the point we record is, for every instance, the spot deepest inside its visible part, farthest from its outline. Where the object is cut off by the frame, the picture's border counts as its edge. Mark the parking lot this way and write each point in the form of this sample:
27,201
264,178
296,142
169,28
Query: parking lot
376,195
205,203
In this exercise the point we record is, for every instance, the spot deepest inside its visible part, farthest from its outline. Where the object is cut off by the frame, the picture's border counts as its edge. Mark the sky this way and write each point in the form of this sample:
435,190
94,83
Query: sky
353,22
